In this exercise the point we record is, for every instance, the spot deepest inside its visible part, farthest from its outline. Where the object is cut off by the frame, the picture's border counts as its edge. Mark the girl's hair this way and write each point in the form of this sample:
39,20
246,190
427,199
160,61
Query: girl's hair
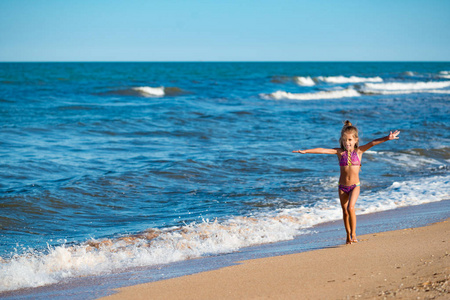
349,128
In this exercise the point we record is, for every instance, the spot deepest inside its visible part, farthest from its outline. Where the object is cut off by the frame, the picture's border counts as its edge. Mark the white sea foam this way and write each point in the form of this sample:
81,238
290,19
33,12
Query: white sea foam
407,193
404,160
147,91
407,86
200,239
336,94
394,88
406,92
351,79
444,74
304,81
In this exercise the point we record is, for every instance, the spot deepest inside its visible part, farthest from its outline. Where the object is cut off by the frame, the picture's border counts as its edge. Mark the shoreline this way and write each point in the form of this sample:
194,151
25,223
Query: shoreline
407,263
322,236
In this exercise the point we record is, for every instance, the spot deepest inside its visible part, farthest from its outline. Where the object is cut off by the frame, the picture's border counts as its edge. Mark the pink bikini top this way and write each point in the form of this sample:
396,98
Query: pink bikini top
349,159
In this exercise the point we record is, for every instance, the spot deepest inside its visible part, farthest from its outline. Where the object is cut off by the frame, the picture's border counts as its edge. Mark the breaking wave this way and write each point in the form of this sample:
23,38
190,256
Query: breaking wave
351,79
304,81
444,74
308,81
312,96
162,246
406,88
397,86
148,91
389,88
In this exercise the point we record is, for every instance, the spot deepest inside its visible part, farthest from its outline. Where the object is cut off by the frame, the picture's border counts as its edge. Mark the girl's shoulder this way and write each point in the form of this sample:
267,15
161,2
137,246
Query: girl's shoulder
339,151
359,151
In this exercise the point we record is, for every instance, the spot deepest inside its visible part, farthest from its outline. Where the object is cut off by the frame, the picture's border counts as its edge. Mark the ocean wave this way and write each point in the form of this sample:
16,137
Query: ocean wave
304,81
371,92
412,160
162,246
406,87
408,73
351,79
308,81
407,193
147,91
399,86
311,81
444,74
281,79
336,94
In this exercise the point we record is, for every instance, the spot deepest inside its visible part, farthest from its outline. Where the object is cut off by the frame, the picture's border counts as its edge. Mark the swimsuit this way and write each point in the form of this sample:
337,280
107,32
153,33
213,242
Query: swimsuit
348,188
349,159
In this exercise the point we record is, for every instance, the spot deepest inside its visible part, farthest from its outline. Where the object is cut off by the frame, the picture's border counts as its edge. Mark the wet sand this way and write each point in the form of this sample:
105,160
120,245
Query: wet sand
405,264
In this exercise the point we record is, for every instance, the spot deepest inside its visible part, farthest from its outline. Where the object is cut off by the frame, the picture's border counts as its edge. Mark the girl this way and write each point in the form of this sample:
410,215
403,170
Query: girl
349,156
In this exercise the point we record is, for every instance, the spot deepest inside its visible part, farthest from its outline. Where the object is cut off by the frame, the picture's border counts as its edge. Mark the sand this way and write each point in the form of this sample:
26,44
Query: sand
404,264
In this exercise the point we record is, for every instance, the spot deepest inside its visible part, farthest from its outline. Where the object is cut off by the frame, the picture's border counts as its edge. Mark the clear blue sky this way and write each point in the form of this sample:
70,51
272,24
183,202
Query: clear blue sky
224,30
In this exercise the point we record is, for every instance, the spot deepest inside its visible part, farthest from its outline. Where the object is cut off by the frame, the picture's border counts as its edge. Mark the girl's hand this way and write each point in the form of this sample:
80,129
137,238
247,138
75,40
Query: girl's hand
393,135
299,151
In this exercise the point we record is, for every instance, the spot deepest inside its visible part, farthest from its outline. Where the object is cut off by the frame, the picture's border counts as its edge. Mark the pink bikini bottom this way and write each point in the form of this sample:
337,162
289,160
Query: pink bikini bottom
348,188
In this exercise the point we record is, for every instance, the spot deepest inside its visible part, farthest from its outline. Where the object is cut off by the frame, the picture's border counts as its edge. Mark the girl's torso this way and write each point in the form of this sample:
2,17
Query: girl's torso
350,164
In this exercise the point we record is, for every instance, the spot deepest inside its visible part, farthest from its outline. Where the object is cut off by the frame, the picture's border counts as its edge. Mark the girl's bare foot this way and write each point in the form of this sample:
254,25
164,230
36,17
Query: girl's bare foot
349,240
354,239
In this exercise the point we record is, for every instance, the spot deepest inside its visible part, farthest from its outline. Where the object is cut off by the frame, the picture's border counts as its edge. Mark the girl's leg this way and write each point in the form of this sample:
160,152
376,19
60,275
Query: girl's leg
351,212
344,204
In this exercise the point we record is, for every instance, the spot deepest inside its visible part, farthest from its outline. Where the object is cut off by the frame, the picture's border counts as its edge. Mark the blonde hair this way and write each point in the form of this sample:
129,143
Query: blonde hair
349,128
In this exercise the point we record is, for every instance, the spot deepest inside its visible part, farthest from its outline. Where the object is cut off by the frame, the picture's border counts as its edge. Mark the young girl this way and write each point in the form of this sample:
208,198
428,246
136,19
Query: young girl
349,156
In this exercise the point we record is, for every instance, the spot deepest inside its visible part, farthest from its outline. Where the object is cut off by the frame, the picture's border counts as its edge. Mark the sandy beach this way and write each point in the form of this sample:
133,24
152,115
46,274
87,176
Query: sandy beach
404,264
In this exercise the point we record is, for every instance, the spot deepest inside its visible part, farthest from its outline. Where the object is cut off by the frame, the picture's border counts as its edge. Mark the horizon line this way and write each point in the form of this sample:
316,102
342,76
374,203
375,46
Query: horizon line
226,61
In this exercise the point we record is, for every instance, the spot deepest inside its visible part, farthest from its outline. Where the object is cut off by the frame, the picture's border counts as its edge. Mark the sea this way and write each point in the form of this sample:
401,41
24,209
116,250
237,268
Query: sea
107,167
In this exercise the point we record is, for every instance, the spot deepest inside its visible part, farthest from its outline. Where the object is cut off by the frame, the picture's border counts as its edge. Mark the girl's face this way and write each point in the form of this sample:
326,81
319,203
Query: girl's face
349,141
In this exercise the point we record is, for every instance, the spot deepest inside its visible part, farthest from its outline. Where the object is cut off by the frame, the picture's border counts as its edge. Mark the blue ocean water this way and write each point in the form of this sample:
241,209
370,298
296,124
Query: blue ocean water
113,165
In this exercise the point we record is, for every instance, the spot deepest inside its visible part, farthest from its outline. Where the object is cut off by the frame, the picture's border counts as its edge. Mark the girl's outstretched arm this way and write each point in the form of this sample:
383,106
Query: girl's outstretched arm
391,136
317,151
